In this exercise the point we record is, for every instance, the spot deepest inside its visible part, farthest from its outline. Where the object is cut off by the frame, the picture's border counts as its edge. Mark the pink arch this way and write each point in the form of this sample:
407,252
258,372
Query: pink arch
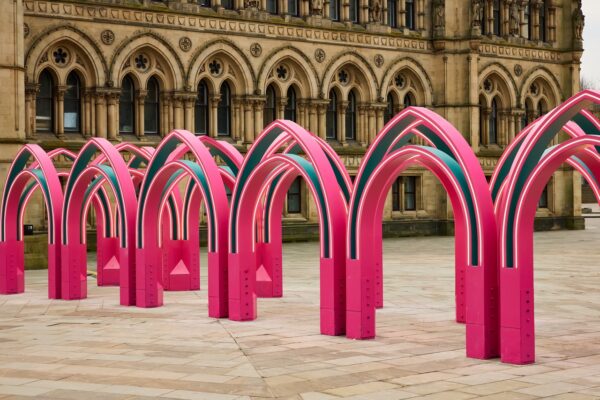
11,245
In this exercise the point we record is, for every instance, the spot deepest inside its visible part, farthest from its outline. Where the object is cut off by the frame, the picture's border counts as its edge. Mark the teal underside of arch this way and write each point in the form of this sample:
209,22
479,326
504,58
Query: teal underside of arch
253,159
226,159
31,187
442,151
188,198
104,202
531,161
81,163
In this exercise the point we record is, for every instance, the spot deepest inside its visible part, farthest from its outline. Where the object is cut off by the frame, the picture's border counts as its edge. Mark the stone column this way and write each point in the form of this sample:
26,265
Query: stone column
379,109
280,110
214,114
178,112
87,114
483,136
60,111
238,119
259,105
341,133
169,110
372,124
322,118
313,118
188,113
31,91
140,97
112,113
363,126
248,123
100,99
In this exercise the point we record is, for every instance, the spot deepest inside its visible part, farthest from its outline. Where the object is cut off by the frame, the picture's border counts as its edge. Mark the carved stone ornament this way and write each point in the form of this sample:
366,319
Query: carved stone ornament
316,7
26,30
518,70
255,49
320,55
378,60
107,36
185,43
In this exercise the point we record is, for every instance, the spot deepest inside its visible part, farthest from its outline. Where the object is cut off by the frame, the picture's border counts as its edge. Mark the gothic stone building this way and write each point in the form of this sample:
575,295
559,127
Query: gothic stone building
132,70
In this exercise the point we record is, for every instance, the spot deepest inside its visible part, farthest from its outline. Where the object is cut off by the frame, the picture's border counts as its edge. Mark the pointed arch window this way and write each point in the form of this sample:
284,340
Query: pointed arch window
72,105
293,7
269,114
334,10
493,124
44,103
497,23
541,109
294,197
201,114
389,109
127,106
272,6
290,106
353,10
332,115
351,117
410,15
224,111
152,107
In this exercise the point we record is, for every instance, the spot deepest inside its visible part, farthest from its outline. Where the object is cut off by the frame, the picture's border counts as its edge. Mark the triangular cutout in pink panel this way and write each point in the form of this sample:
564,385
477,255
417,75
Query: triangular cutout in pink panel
113,263
180,269
262,275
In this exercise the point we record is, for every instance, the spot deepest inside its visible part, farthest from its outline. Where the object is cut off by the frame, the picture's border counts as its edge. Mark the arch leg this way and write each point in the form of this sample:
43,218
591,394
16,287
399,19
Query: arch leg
108,261
74,271
12,267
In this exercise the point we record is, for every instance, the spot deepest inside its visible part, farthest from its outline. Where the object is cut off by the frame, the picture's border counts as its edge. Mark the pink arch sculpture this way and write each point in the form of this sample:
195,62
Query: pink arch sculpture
261,165
451,159
86,167
45,176
164,169
530,169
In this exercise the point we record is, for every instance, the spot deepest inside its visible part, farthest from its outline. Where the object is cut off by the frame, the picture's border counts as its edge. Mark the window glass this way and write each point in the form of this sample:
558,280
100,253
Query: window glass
44,103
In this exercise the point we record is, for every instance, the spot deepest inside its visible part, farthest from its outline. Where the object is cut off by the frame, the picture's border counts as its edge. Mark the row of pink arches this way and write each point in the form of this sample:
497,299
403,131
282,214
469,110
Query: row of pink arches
148,203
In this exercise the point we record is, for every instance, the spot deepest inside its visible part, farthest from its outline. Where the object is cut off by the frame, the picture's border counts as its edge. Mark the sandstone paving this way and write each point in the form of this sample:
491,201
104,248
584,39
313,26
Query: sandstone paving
97,349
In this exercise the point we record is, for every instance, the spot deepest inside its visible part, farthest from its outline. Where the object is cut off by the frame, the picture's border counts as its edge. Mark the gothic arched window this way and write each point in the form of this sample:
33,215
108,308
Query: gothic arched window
332,115
127,106
201,114
269,114
72,105
493,124
152,107
224,111
290,105
44,103
408,100
351,117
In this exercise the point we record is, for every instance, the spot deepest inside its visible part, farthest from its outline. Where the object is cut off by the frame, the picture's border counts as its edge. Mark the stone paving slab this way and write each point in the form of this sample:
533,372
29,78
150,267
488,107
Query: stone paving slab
96,349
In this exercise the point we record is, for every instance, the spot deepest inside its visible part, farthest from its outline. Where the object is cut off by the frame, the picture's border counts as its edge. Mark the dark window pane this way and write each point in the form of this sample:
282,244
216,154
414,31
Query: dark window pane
334,10
351,117
353,11
204,3
332,116
543,22
294,200
493,133
529,22
408,100
292,7
224,111
391,9
410,193
389,110
396,194
496,16
543,202
410,14
44,121
72,105
151,107
272,6
201,111
269,114
290,106
228,4
127,106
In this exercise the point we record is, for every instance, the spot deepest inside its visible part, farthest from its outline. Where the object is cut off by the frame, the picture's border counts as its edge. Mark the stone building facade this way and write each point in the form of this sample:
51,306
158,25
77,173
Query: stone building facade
132,70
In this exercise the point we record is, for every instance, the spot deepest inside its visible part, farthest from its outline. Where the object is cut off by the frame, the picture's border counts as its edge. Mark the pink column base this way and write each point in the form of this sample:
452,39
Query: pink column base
74,271
517,330
242,296
176,274
149,289
218,303
333,307
108,263
12,267
269,281
360,302
459,293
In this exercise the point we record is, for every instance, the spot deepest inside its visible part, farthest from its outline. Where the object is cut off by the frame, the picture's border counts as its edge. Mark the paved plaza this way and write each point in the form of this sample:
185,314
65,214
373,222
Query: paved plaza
96,349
